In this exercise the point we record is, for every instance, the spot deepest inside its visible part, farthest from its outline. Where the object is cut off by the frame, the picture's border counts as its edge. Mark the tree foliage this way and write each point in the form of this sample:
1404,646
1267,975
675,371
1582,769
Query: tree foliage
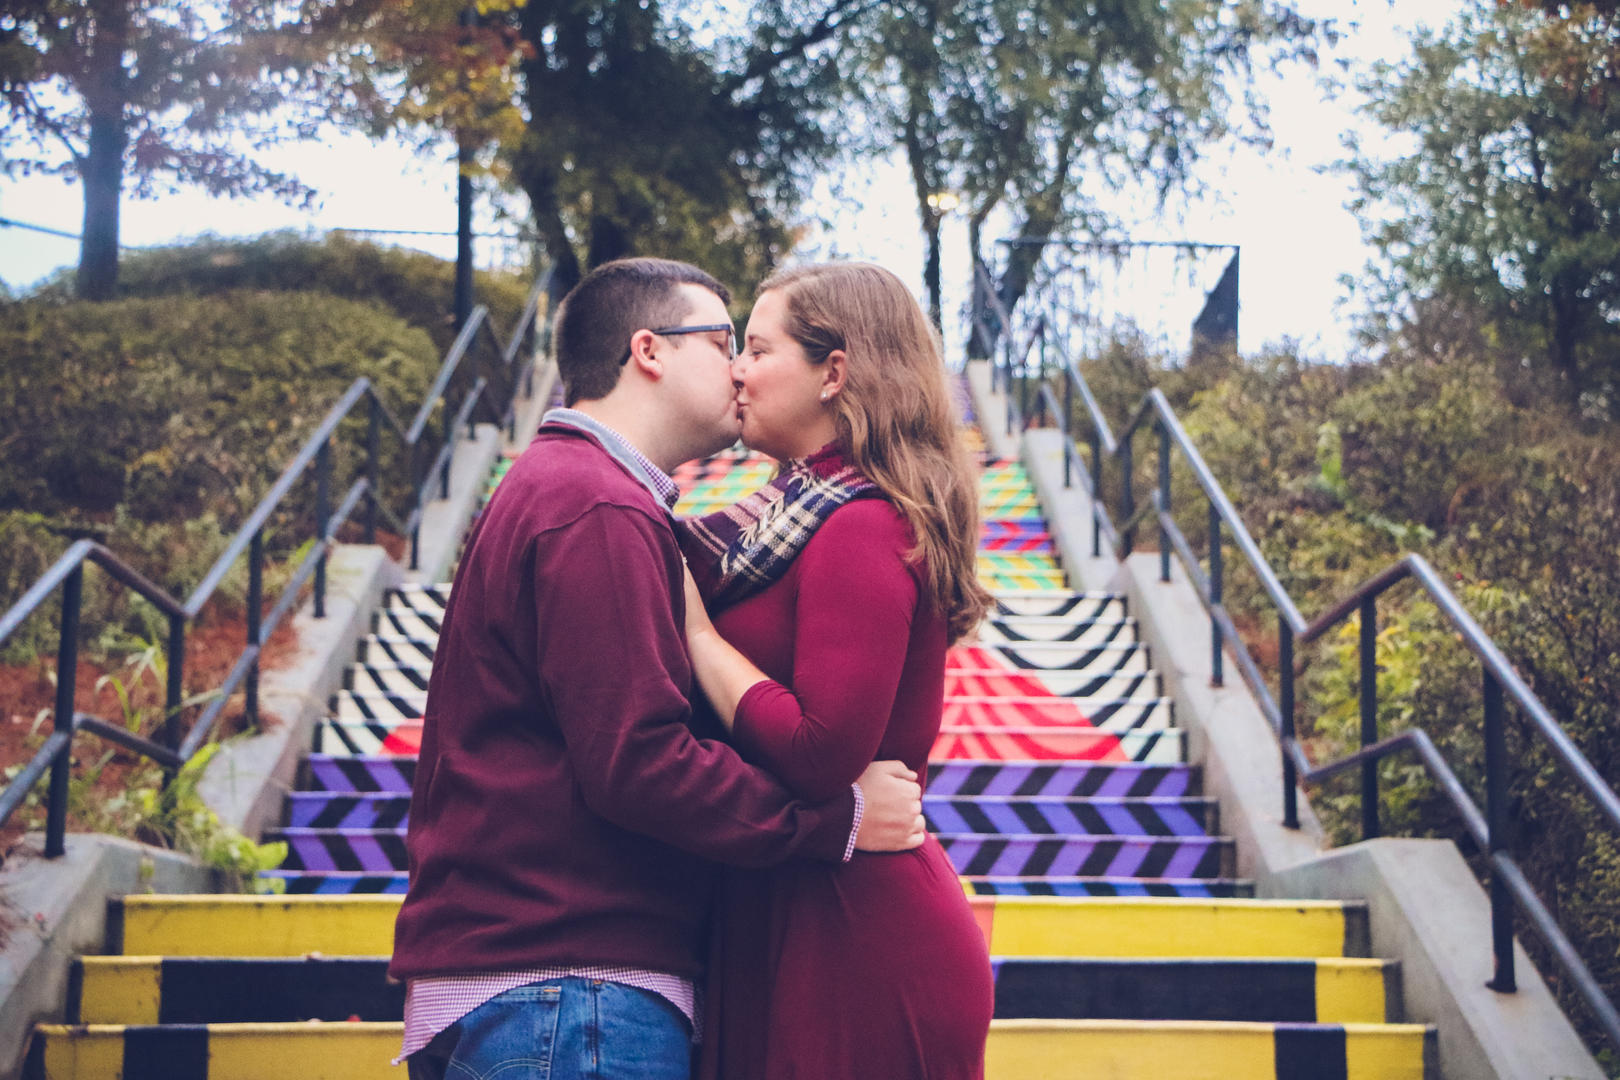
1505,197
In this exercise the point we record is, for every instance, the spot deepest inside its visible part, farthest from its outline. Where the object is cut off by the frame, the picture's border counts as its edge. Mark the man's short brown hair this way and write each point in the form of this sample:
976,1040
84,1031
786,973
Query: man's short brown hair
612,302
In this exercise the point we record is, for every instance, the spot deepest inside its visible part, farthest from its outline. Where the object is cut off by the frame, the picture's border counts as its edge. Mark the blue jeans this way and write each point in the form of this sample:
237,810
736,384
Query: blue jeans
563,1029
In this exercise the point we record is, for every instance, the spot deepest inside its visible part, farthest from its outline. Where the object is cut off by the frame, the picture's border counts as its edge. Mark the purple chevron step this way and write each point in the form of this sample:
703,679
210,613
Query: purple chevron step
1008,815
346,772
977,855
1200,888
1078,778
338,810
302,883
369,851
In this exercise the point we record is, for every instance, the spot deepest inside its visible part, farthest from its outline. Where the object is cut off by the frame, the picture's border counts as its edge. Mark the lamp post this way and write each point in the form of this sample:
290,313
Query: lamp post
464,201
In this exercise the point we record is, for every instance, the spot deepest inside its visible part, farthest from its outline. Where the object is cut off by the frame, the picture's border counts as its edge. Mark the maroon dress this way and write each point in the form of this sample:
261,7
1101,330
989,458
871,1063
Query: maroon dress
875,969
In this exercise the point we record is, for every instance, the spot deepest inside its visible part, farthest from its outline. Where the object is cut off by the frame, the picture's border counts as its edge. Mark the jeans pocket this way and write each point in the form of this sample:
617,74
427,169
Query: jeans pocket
511,1036
642,1036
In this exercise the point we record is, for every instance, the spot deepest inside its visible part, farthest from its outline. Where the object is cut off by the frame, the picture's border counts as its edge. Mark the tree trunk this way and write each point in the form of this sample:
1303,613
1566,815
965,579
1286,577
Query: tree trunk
102,168
609,241
931,270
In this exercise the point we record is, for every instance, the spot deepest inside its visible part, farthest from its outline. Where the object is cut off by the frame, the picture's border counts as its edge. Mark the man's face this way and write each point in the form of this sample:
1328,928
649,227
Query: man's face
696,387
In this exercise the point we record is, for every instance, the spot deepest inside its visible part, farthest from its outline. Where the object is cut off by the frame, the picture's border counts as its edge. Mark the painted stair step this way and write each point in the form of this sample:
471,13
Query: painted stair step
234,990
1014,629
147,990
1116,717
403,650
978,855
1049,656
1036,543
1313,991
337,810
1054,580
981,814
377,851
1000,814
1018,1049
1056,744
317,883
243,925
1044,602
309,1051
978,742
301,883
1208,1050
1012,530
1059,780
959,712
372,851
997,562
406,622
346,773
1077,685
1192,888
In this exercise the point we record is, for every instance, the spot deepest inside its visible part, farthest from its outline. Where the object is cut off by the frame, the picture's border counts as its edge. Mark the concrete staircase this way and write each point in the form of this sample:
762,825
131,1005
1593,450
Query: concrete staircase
1123,943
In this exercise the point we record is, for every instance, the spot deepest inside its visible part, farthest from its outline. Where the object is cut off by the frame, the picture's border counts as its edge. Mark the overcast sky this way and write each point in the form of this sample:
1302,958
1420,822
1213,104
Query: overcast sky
1290,219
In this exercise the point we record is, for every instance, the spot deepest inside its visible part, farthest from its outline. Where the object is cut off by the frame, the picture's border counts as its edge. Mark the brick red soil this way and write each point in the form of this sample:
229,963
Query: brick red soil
213,644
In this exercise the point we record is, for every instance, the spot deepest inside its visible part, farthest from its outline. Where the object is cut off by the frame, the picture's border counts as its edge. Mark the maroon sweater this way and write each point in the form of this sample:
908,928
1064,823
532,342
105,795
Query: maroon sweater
565,809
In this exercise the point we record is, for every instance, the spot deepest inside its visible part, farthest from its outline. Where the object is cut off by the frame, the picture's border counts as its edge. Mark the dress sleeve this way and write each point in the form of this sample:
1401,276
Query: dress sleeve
612,660
852,629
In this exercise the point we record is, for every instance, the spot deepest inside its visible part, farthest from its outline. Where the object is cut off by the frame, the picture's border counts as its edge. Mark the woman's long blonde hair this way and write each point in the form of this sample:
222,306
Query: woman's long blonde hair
894,416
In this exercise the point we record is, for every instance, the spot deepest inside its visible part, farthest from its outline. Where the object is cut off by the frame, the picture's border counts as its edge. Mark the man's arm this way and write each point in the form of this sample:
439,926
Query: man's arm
611,658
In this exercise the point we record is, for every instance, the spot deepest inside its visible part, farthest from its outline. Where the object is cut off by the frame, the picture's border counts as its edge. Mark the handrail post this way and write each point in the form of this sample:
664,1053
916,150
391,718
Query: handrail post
323,511
1369,717
1040,381
1285,664
1496,819
1217,592
255,623
177,670
373,429
1164,500
1007,376
450,448
67,682
1096,493
1128,495
1068,413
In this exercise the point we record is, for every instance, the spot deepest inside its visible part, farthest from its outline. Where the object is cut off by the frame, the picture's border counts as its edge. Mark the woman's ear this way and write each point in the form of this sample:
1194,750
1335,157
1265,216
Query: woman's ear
832,373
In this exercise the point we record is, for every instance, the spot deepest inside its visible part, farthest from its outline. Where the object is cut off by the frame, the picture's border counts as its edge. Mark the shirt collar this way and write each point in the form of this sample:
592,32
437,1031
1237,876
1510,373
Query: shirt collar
655,479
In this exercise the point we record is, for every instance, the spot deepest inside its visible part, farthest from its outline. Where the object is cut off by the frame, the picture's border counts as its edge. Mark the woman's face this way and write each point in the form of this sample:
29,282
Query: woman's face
778,388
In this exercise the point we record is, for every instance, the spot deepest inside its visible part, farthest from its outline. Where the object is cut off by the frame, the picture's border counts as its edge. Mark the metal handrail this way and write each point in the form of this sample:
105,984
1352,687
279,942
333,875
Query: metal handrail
67,574
1509,889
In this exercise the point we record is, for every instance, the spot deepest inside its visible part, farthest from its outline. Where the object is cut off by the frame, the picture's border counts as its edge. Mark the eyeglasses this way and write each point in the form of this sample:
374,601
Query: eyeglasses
732,348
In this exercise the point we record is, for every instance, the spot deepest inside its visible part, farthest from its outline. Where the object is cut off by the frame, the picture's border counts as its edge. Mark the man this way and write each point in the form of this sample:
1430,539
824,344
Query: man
567,804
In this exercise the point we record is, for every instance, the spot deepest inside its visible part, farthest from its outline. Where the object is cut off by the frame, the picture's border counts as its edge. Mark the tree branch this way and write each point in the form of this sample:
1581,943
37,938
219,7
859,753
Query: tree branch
830,23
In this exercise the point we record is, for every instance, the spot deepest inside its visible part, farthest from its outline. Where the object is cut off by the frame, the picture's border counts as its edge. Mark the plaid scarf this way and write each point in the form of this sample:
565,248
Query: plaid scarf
738,550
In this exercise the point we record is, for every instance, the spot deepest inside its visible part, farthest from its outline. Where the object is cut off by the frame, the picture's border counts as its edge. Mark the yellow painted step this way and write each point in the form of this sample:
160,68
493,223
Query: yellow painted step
257,925
1170,926
312,1051
1014,926
130,989
1195,1050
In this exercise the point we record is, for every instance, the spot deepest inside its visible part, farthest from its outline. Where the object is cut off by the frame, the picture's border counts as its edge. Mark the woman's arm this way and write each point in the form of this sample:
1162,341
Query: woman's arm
852,629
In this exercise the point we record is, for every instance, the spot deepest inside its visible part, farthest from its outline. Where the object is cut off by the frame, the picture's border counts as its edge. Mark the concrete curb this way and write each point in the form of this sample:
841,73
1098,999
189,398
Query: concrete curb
1424,905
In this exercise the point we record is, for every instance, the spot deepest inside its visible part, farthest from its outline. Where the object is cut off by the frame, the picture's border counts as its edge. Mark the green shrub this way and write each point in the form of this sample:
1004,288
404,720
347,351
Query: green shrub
415,286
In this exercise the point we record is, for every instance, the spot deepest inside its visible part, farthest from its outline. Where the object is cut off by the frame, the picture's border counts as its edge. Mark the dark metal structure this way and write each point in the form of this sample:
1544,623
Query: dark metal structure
1053,383
510,364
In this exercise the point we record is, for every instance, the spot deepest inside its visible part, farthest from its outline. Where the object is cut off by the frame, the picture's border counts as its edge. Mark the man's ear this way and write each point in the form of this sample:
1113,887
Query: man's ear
833,372
643,345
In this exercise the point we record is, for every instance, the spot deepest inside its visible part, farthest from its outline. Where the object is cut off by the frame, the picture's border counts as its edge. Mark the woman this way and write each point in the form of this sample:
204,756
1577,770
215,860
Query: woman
842,583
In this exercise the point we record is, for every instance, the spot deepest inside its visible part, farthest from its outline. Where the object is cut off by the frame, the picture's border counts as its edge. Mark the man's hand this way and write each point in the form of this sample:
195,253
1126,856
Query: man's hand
893,818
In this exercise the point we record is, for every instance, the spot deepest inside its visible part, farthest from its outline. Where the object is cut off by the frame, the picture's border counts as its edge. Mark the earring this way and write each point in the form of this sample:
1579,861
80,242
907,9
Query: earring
824,395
